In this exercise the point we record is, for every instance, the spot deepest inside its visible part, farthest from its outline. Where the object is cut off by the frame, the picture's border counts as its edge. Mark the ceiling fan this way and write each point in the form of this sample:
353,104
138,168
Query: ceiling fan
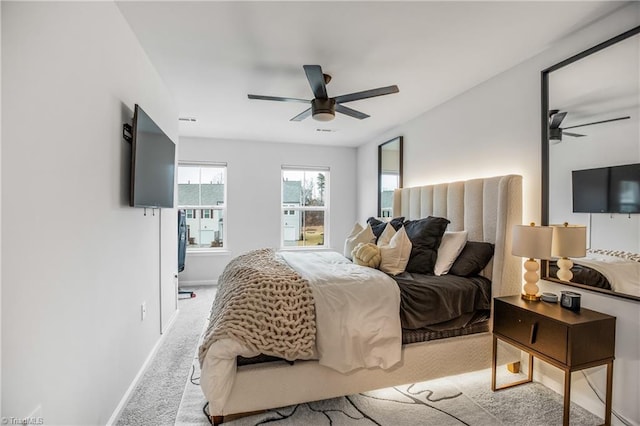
323,108
556,132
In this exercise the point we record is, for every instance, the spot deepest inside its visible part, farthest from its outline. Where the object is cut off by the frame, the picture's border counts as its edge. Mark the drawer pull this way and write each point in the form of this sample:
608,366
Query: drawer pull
534,331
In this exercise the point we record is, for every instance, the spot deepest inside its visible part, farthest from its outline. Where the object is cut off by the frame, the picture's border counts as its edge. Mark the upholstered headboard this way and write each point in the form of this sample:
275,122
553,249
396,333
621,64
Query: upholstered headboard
487,208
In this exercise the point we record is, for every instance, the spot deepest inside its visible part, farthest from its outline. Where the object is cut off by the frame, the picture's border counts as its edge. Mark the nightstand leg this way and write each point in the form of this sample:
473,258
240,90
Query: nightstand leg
609,397
494,361
567,398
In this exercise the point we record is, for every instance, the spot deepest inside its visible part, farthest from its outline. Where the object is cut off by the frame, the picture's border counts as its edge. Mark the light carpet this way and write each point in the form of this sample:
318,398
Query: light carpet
156,398
465,399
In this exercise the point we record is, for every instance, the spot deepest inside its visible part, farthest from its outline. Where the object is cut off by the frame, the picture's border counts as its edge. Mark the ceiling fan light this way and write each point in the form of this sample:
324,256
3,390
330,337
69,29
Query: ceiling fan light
324,116
323,109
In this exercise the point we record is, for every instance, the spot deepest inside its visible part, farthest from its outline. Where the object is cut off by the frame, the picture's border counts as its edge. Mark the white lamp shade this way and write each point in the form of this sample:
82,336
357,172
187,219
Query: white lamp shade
569,241
533,242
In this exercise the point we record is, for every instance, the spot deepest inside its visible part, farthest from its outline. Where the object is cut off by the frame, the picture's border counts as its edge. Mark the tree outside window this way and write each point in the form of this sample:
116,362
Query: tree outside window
304,207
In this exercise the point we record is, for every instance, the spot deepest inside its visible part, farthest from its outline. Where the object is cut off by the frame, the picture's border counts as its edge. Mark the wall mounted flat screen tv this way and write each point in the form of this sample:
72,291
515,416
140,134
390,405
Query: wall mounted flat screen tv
152,164
590,193
614,189
624,189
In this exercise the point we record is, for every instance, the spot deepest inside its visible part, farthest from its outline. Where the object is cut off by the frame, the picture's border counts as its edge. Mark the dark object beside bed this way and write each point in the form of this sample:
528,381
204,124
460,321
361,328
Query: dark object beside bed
582,275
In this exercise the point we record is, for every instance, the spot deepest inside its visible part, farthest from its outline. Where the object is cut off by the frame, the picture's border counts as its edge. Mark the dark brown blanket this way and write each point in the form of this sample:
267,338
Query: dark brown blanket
430,299
582,275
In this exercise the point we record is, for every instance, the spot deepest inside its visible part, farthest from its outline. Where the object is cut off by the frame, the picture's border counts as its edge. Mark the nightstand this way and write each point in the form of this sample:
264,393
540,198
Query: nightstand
571,341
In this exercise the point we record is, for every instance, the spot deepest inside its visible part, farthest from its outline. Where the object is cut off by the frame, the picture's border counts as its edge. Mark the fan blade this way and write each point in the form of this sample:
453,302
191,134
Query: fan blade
278,98
367,94
316,80
575,135
556,119
598,122
351,112
304,114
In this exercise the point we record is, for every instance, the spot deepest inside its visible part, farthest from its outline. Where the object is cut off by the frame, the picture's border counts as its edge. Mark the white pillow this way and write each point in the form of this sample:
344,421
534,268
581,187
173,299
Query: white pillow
395,249
358,235
450,247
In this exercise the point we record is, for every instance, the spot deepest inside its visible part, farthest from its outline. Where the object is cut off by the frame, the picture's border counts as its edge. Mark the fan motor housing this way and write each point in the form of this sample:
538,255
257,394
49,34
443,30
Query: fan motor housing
555,134
323,109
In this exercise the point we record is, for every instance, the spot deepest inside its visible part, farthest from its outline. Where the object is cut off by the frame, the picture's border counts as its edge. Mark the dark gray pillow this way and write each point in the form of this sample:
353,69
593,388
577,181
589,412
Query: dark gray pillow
472,259
377,226
425,235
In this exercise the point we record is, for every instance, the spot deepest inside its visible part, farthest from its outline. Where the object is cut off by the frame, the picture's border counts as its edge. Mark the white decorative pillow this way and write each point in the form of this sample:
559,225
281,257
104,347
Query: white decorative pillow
358,235
395,249
366,254
450,247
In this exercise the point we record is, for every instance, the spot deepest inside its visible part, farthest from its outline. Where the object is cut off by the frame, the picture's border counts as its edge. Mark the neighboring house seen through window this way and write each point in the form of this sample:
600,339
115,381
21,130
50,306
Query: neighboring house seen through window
305,206
202,194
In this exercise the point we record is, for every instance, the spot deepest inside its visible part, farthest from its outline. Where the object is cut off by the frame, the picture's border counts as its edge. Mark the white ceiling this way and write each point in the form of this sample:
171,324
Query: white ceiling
212,54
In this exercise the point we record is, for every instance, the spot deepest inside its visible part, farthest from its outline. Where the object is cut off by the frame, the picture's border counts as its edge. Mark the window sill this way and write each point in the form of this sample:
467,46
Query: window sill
208,252
306,248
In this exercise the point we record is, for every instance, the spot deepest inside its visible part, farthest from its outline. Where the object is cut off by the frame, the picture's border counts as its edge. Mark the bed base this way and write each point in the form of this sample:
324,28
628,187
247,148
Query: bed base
265,386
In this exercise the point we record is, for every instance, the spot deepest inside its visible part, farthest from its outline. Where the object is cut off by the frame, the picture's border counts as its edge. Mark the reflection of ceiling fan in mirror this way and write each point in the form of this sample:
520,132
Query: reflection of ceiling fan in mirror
556,132
323,108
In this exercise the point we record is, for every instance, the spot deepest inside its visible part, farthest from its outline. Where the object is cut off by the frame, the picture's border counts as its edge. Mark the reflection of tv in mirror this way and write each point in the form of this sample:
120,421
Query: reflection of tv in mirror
613,189
624,189
590,190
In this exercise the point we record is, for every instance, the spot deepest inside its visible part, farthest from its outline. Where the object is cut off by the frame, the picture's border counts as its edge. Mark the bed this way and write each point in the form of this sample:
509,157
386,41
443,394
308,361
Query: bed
613,270
487,209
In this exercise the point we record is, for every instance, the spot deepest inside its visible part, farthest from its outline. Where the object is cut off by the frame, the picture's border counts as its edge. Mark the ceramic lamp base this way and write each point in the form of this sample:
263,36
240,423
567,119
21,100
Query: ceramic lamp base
564,271
531,280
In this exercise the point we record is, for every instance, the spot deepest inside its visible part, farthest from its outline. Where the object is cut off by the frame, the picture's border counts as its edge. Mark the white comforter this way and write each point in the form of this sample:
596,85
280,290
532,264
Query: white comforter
357,322
622,274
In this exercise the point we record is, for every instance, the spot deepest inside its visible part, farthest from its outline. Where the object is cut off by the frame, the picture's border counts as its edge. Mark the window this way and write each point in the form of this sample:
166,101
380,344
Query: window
202,193
305,206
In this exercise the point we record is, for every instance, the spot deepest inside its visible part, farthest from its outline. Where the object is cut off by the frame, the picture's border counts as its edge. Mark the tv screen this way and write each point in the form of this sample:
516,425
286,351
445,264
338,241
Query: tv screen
614,189
152,164
624,189
590,190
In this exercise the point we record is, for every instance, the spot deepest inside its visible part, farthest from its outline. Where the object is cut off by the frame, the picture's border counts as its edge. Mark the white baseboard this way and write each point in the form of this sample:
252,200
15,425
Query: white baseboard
125,398
197,282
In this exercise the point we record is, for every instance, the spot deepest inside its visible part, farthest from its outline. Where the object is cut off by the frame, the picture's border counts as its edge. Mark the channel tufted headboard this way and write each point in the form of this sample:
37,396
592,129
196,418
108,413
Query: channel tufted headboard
487,208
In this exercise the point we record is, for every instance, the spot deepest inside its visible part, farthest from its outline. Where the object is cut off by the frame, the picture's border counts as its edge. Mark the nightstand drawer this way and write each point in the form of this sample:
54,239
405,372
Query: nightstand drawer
534,331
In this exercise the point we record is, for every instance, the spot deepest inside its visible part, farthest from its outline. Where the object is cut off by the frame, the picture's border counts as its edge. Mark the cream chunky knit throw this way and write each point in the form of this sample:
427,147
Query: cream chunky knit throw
265,305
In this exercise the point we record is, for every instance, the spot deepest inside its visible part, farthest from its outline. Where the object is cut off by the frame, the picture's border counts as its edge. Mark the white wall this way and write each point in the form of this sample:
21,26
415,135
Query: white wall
0,214
77,260
494,129
254,193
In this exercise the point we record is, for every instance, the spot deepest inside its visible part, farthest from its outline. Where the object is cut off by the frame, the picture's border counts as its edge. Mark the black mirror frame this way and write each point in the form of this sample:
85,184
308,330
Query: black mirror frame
400,155
544,76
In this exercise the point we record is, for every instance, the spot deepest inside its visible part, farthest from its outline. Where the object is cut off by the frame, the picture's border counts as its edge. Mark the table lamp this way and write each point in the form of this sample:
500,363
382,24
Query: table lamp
568,241
531,242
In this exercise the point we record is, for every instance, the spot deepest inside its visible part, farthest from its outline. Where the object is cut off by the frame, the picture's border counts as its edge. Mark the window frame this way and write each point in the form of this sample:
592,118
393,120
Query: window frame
287,210
198,210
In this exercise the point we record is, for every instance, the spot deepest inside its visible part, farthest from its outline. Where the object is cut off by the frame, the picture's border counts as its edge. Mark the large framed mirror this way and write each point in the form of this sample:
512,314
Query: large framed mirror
389,174
591,162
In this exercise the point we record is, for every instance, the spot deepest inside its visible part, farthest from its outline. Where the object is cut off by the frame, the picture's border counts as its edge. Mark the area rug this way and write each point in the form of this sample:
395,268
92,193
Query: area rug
466,399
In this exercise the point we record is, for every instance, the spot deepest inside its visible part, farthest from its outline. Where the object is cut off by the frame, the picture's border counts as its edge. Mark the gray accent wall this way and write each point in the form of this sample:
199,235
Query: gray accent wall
78,262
